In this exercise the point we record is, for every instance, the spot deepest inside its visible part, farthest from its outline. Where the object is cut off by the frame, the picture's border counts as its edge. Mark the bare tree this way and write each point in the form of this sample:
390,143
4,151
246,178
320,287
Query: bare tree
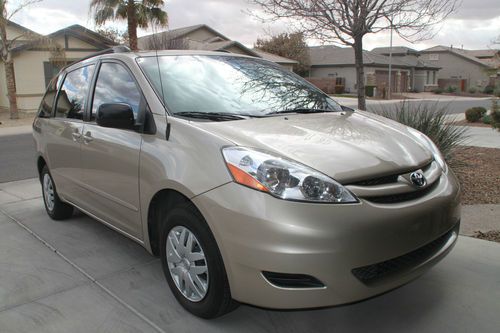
348,21
8,49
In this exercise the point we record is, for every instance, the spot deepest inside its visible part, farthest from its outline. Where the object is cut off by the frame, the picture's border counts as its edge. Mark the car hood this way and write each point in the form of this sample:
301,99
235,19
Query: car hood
348,146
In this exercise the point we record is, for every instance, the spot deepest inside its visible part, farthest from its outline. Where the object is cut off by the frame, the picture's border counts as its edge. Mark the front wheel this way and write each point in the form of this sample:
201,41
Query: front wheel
192,263
55,208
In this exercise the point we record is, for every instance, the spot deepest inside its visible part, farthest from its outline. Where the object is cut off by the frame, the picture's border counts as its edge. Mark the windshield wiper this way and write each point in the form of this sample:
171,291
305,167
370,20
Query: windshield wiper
217,116
300,110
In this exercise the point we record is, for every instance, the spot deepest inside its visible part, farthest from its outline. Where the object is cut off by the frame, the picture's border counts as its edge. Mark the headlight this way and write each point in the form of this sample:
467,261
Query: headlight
283,178
424,139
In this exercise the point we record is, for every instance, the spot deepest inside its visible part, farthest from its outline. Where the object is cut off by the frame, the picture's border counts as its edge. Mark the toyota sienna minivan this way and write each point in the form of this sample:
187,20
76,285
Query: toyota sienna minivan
249,183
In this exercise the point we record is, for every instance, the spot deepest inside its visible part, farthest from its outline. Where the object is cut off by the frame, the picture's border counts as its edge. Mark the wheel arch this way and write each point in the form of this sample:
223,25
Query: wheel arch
40,163
169,197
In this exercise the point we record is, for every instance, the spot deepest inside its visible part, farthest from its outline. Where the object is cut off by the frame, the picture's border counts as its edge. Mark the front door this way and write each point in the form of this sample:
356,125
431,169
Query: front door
110,157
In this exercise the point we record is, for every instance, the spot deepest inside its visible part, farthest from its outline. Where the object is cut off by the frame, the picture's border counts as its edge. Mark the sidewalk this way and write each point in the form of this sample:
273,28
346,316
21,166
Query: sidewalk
14,130
79,276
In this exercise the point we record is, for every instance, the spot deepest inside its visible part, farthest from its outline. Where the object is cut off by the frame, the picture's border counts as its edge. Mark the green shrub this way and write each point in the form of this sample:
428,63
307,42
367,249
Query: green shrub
487,119
497,92
474,114
438,91
431,120
451,89
489,90
472,90
369,91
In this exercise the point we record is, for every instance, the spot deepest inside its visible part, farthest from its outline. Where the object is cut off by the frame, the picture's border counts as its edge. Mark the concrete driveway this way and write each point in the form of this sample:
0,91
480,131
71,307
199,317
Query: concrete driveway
79,276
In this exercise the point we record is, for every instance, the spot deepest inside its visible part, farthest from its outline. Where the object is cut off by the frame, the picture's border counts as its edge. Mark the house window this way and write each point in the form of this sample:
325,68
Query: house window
434,57
51,69
428,77
433,77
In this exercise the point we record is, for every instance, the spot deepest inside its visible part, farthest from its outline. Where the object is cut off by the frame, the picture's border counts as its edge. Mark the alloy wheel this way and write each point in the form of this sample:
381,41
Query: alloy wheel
48,192
187,263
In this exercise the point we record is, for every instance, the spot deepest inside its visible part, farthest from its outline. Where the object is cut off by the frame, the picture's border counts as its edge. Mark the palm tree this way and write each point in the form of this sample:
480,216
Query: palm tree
138,13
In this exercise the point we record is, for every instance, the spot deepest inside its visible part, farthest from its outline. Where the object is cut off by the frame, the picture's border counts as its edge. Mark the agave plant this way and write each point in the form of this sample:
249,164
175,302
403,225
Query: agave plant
430,119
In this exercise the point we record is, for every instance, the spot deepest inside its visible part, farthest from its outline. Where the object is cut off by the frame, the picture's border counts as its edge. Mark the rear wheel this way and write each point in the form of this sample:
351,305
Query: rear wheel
56,209
192,263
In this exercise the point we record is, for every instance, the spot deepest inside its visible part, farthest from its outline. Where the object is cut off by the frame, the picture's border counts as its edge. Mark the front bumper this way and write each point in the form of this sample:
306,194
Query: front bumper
257,232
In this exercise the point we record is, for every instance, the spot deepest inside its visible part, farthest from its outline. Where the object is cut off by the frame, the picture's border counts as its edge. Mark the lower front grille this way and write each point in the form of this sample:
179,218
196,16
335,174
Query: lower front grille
298,281
372,274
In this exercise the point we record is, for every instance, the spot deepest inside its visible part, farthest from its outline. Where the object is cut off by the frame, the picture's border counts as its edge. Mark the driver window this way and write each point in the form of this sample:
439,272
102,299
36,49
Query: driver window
115,85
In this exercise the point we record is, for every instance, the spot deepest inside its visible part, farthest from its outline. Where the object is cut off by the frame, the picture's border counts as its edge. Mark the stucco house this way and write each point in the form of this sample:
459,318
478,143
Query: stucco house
34,66
464,68
203,37
409,73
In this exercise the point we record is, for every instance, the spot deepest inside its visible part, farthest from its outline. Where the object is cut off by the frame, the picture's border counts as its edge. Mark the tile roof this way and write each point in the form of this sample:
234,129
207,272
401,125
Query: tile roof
395,50
459,52
176,34
274,58
330,55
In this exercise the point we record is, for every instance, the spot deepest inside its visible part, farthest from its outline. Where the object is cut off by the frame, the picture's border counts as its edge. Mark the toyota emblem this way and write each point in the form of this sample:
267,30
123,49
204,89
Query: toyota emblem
418,179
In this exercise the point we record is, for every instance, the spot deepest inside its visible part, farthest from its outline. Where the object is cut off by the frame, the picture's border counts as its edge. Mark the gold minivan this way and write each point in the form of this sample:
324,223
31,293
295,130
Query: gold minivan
252,185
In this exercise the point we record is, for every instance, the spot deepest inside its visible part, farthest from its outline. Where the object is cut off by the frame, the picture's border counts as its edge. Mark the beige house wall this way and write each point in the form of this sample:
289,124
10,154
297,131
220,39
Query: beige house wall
349,73
74,43
454,66
288,67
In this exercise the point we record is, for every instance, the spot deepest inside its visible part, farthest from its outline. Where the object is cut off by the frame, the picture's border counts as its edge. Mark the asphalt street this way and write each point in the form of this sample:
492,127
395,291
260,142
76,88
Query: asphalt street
17,157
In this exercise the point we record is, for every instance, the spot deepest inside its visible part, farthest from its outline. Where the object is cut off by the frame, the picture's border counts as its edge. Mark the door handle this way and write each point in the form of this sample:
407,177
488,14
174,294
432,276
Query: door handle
76,136
87,137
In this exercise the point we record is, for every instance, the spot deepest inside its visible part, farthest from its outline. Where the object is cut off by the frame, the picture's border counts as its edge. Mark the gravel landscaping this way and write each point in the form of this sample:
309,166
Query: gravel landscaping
478,170
493,235
466,123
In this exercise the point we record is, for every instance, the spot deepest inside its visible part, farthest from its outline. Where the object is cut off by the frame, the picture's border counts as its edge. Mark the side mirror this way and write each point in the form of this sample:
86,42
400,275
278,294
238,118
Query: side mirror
115,115
346,108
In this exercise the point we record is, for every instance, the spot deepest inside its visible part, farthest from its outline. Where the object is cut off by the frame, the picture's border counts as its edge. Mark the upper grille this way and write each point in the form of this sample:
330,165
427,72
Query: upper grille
378,181
394,198
373,273
385,179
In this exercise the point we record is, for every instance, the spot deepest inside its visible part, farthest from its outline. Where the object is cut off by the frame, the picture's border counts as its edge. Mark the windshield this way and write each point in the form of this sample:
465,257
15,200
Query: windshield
230,85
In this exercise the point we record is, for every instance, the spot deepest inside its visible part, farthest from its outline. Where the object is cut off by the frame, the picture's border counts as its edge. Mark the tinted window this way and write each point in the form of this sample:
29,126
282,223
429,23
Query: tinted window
228,84
45,110
115,85
71,99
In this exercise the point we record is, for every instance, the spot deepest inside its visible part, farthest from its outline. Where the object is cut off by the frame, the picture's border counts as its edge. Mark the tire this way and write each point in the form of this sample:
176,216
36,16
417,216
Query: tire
56,209
216,300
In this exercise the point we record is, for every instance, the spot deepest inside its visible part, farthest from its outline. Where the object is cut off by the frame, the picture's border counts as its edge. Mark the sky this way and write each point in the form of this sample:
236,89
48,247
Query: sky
473,26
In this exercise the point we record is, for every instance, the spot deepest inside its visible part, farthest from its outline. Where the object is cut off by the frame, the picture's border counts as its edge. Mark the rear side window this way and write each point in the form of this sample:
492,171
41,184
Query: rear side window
72,95
115,85
45,109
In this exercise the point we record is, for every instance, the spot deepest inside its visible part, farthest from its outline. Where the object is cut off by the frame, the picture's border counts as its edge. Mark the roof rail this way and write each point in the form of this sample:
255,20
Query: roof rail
114,49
